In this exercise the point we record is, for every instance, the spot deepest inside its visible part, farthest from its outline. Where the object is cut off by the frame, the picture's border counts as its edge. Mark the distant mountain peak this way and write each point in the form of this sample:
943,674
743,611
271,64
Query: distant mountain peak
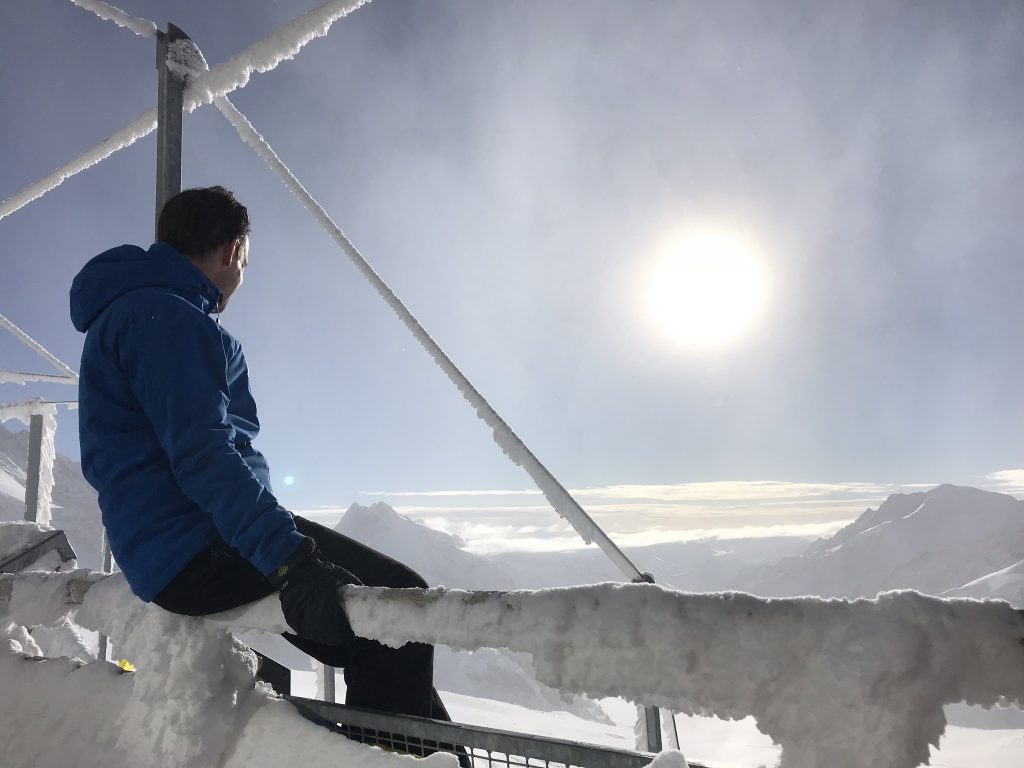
380,519
932,540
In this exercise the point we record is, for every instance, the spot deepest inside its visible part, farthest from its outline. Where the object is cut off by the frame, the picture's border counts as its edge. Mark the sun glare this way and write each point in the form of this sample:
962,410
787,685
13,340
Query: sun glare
705,290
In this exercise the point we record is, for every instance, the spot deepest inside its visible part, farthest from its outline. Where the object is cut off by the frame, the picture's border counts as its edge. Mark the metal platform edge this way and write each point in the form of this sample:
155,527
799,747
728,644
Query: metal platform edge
57,540
527,746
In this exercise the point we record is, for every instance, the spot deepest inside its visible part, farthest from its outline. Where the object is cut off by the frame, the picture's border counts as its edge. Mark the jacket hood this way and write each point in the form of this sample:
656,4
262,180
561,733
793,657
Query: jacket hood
126,268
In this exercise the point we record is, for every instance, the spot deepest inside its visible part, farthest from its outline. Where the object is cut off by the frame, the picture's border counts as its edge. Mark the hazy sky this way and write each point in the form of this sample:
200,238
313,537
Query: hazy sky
511,169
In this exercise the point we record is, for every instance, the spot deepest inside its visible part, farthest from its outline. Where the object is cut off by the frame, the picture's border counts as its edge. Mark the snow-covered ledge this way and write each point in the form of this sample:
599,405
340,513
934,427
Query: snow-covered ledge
834,682
193,702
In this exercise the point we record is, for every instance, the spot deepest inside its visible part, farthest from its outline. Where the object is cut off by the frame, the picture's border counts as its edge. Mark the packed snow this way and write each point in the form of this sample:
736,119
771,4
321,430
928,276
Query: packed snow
194,701
871,674
185,59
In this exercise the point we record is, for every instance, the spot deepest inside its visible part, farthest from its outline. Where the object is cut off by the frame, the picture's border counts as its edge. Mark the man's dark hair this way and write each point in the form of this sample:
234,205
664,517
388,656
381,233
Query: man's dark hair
198,221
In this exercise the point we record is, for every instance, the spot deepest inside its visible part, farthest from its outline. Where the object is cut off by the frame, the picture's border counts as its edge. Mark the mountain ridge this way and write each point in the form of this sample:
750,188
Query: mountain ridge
932,541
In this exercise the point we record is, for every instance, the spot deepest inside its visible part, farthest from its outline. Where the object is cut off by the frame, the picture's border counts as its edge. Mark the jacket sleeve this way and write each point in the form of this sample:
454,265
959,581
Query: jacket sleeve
176,360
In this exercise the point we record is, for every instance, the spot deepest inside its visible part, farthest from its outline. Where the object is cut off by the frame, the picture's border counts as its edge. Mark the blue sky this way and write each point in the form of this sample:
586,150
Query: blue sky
510,168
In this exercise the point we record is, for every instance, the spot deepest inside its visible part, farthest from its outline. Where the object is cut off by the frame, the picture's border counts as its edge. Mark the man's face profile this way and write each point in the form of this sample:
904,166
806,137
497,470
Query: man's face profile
230,261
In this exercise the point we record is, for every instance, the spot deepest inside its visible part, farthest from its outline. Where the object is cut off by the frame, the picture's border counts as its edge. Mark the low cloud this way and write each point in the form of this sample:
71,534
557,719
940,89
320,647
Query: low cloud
1007,481
640,514
635,515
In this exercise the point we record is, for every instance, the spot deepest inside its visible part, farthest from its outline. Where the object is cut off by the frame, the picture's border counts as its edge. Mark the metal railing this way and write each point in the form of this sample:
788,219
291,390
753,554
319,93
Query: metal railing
484,747
23,558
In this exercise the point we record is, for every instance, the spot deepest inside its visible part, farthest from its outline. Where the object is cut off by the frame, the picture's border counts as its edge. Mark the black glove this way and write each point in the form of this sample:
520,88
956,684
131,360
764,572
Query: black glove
309,596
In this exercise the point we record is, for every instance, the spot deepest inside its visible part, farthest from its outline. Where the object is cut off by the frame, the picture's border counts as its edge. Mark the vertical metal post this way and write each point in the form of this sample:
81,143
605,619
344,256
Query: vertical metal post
103,651
653,721
330,694
170,99
652,717
35,461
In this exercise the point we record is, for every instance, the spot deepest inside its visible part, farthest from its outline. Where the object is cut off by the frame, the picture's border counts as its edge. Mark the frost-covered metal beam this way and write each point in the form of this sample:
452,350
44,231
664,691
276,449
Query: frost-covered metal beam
35,463
60,591
261,56
57,541
21,377
835,682
108,12
38,348
170,99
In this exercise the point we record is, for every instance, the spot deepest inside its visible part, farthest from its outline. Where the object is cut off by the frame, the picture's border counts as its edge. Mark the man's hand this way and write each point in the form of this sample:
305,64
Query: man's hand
309,596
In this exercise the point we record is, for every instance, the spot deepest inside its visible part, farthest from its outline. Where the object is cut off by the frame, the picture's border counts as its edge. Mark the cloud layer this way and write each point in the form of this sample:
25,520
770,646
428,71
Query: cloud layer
492,520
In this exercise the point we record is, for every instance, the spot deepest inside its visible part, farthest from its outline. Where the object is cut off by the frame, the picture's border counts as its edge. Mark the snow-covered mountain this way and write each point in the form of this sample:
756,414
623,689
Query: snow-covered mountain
75,507
935,541
1005,584
437,556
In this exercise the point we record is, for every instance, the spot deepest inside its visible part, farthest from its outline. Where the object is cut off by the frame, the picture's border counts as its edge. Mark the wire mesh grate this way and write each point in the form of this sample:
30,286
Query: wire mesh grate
474,746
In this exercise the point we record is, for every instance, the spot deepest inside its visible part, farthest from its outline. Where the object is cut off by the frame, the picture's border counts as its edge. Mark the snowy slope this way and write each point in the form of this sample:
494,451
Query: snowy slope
1004,584
12,482
12,475
932,542
76,509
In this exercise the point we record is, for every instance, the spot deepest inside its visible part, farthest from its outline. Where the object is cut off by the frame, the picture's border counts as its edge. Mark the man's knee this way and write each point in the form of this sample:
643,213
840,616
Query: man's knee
407,577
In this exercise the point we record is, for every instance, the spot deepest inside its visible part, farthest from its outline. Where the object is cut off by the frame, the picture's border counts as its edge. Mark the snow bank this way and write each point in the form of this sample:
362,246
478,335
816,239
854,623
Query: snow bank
834,682
194,701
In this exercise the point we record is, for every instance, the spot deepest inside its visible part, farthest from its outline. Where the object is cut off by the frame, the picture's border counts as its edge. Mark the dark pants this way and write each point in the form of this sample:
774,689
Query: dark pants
377,677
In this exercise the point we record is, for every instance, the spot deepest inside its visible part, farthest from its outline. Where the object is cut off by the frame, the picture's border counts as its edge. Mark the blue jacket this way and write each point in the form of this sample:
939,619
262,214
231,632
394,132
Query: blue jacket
166,420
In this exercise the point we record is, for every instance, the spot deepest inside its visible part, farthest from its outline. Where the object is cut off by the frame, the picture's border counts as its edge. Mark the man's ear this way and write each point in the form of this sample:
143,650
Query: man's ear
231,251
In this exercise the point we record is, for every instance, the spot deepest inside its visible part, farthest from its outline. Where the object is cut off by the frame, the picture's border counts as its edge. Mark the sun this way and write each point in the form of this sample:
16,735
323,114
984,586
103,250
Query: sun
705,290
